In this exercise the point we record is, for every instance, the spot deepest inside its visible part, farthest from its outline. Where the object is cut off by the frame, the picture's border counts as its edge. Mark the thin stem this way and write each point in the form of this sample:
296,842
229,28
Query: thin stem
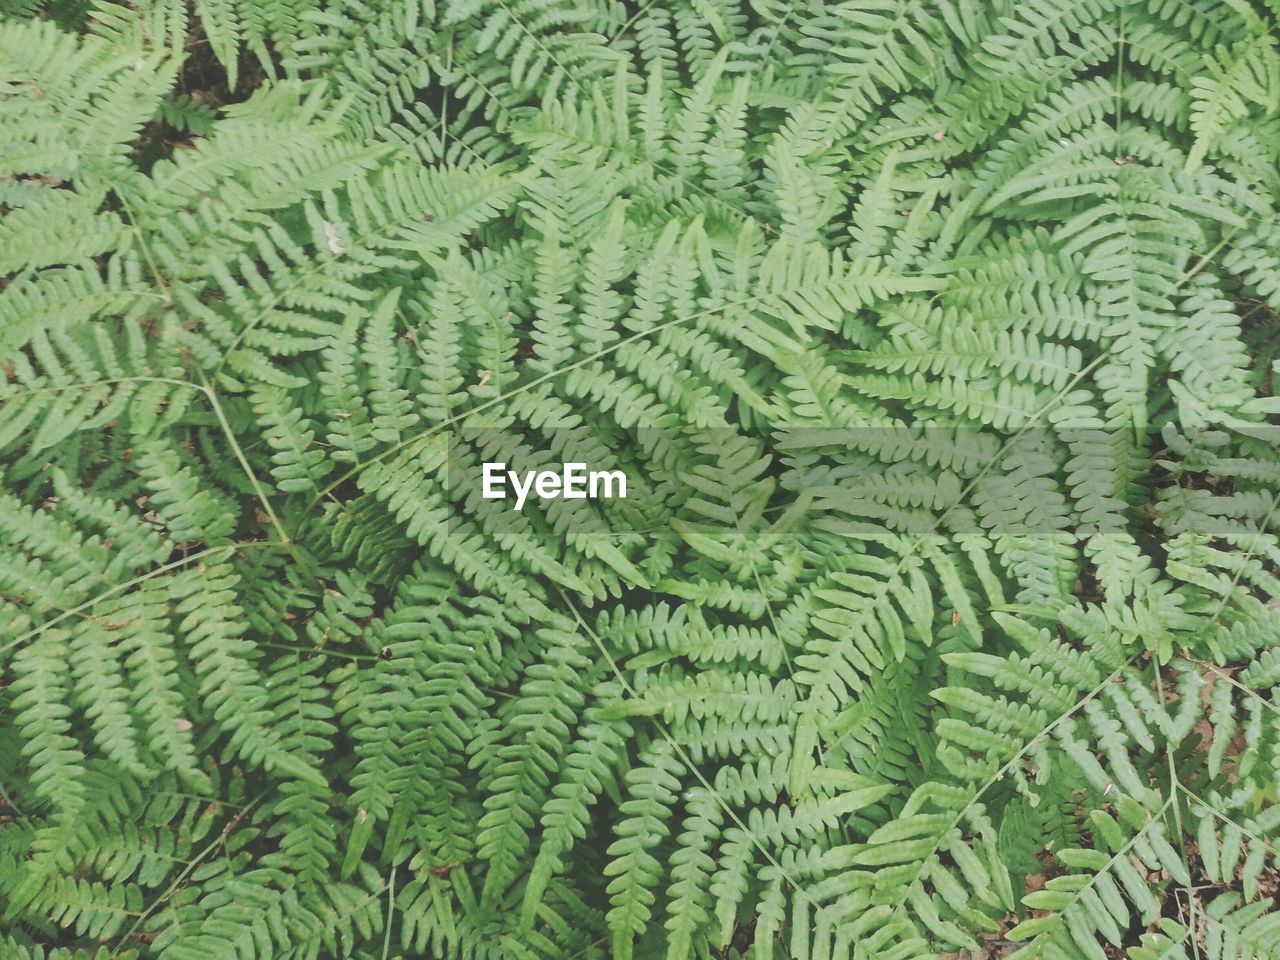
140,579
181,877
285,540
391,907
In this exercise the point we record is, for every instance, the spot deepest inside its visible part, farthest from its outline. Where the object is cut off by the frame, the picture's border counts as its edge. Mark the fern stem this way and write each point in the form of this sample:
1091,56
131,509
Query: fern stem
285,540
228,548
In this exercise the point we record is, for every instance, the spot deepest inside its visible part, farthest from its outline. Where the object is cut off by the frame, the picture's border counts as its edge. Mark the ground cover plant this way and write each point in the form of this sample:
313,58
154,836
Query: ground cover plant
937,340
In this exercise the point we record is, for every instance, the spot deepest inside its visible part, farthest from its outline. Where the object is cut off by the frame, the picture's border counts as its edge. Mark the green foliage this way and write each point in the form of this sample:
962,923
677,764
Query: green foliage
938,341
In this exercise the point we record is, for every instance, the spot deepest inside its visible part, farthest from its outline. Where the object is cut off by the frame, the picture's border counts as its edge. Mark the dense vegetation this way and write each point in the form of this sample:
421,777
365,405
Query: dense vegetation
938,339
